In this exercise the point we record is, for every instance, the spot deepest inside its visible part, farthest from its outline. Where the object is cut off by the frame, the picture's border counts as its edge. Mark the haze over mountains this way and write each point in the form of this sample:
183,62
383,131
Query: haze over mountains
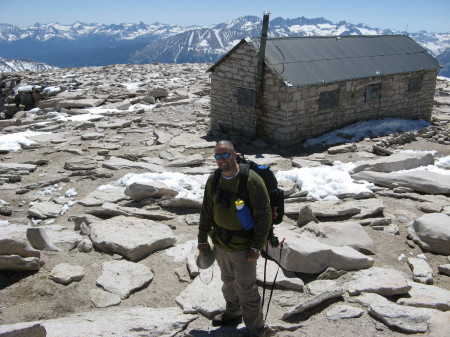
81,44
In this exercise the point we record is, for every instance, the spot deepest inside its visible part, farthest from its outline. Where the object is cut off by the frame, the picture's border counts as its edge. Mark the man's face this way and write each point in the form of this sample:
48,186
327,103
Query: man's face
225,164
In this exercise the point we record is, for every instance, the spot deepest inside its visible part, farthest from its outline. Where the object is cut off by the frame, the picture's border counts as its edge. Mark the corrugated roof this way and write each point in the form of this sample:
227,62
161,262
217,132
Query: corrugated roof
301,61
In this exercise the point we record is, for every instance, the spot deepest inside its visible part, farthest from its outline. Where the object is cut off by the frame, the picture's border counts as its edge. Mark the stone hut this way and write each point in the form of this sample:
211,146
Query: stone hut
308,86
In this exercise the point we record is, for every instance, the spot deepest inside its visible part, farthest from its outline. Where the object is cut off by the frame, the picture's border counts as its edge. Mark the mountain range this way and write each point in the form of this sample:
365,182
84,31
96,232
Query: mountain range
81,44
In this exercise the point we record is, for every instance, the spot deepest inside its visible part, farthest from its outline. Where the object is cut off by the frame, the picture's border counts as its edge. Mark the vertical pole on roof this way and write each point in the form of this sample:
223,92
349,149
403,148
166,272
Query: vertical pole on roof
260,71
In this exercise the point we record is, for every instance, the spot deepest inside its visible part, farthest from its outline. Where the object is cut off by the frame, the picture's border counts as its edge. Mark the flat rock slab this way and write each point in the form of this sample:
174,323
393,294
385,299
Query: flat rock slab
110,210
334,209
285,279
395,162
103,299
350,234
204,294
420,181
343,312
81,164
116,163
130,322
314,301
408,319
382,281
427,296
80,103
99,197
124,277
65,273
12,167
305,255
131,237
45,210
114,124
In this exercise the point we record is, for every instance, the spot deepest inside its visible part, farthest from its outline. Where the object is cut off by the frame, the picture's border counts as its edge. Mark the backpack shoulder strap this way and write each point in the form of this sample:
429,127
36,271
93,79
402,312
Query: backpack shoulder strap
243,179
215,180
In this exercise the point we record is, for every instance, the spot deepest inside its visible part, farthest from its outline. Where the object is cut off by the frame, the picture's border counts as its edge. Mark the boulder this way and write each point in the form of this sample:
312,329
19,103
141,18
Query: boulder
17,247
422,272
432,232
349,147
18,263
37,236
23,330
154,189
131,237
306,215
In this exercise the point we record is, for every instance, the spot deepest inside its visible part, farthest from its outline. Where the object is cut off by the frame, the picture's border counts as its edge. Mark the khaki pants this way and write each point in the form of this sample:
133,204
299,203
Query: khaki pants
240,290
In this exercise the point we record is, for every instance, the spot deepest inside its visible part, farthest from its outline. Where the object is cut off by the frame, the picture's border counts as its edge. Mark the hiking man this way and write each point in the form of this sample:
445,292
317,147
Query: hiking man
236,249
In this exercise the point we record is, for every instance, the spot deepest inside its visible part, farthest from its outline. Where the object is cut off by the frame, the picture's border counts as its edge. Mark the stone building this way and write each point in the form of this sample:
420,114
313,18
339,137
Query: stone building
308,86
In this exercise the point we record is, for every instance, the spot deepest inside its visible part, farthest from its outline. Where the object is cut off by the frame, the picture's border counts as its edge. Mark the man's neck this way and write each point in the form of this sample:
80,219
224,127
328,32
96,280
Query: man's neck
231,173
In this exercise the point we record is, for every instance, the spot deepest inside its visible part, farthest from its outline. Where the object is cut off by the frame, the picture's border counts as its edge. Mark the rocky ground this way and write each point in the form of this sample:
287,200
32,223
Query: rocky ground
155,119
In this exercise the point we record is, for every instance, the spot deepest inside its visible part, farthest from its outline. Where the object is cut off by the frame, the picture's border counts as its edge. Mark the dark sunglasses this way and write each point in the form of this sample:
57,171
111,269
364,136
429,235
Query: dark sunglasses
224,155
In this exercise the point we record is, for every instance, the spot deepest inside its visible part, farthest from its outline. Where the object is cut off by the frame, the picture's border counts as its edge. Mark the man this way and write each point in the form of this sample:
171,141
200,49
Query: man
236,249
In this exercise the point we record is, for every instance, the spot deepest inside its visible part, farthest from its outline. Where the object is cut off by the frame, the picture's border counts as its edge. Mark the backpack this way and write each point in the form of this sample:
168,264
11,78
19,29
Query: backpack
276,194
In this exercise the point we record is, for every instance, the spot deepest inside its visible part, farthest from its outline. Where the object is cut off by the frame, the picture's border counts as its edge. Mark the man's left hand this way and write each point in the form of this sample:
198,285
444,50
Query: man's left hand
252,255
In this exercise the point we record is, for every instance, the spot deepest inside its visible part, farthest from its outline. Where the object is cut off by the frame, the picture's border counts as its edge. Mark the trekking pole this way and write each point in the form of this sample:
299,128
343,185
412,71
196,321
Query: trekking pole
274,280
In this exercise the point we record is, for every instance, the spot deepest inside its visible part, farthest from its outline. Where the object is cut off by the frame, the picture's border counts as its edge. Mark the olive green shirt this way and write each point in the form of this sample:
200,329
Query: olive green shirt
212,214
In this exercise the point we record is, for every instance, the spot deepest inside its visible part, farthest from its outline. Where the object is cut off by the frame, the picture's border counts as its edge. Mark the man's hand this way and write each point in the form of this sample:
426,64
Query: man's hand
204,248
253,255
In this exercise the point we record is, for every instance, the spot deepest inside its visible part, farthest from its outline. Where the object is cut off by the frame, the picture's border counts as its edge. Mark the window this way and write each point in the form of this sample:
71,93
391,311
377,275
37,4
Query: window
246,97
328,99
415,84
373,92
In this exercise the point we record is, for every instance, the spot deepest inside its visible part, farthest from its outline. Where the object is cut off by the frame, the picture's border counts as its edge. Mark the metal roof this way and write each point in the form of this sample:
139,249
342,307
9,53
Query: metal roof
301,61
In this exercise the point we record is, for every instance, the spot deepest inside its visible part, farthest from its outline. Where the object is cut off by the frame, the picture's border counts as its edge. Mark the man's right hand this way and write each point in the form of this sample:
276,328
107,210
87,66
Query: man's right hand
204,248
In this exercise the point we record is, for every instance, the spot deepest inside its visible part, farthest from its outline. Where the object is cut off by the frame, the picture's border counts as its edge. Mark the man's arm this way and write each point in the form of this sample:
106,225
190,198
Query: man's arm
206,214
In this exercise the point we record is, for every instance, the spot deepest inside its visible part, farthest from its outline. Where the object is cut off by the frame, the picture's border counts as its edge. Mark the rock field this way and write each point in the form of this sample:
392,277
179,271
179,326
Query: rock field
87,251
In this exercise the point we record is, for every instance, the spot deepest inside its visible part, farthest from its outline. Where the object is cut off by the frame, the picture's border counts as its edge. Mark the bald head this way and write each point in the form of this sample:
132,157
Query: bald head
225,143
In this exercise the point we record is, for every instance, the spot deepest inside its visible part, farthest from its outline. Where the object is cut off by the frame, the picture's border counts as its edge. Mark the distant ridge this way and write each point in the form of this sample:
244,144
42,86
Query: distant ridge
81,44
22,64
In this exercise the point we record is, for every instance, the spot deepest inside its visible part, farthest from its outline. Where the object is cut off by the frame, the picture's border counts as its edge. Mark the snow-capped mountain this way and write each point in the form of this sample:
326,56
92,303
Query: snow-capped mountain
83,44
21,64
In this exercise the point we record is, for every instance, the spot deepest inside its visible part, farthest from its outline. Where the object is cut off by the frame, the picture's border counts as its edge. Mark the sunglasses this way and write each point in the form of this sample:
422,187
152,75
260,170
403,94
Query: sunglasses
224,155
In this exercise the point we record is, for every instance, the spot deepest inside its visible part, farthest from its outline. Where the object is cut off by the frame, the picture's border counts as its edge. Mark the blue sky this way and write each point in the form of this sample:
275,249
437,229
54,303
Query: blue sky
415,15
